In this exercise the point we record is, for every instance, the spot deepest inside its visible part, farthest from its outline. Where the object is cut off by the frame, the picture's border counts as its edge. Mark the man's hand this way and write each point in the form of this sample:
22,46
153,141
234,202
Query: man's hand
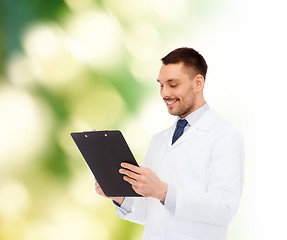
99,191
144,181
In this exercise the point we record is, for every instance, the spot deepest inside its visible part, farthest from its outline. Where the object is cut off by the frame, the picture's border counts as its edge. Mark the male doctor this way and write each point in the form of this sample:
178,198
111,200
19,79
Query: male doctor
192,175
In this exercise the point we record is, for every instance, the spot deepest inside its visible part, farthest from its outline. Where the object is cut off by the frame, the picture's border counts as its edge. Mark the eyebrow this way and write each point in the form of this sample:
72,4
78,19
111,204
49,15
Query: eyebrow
169,80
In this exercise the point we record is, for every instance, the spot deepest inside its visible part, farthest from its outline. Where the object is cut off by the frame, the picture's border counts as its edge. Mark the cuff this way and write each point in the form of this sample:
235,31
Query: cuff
126,206
170,199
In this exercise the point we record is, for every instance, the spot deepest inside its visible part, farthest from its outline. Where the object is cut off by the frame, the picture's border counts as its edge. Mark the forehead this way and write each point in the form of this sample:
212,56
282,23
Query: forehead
172,72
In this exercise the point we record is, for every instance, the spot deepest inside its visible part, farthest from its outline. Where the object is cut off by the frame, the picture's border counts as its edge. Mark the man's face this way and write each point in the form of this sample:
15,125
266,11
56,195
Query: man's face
177,89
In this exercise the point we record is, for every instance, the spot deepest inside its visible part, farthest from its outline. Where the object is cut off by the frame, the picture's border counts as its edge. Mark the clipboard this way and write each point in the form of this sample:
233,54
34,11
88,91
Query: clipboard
103,152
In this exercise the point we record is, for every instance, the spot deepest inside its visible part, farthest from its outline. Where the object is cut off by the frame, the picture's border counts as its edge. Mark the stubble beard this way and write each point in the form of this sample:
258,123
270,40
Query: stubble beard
183,111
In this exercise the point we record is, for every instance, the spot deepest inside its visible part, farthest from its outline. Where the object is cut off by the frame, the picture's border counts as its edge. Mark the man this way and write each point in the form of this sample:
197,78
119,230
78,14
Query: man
192,175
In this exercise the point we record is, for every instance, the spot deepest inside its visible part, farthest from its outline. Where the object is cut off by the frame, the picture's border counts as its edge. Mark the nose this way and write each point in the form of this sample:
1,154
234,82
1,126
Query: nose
165,92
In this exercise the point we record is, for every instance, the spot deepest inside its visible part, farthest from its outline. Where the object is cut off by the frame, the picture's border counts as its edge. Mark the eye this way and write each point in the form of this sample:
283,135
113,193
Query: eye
173,85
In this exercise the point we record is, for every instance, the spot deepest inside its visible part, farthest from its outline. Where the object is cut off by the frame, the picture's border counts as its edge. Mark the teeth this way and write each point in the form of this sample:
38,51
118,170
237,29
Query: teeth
170,102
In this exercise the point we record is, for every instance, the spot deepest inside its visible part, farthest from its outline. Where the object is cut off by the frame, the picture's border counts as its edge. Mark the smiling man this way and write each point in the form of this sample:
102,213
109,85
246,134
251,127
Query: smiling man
192,175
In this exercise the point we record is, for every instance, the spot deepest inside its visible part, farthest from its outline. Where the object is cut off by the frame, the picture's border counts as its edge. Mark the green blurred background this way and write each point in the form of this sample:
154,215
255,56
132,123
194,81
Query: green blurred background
74,65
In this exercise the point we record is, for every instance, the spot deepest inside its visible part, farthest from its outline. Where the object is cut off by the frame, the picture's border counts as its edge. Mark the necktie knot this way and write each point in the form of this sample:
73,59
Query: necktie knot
179,129
181,123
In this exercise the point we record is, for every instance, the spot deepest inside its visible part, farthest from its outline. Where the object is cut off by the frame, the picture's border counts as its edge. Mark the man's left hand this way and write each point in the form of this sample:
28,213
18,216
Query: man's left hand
144,181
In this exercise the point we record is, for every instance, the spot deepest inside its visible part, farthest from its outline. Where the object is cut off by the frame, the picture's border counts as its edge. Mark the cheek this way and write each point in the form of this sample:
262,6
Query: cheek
187,96
182,94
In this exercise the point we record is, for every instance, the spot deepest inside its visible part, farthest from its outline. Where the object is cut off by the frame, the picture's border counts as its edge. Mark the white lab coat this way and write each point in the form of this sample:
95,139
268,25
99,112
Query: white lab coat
205,167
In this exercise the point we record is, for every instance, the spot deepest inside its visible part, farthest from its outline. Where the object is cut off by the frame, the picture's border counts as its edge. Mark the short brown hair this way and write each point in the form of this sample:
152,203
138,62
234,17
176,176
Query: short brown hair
191,59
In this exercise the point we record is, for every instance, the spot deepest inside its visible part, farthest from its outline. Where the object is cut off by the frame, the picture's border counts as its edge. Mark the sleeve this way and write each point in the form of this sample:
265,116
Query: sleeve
219,203
133,209
170,199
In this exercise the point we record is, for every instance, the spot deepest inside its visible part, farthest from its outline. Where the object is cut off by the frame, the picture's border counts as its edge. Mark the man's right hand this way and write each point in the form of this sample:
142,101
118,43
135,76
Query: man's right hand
99,191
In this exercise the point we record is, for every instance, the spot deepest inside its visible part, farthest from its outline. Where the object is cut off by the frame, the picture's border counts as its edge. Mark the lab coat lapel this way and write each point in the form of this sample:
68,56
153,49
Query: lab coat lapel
169,133
190,133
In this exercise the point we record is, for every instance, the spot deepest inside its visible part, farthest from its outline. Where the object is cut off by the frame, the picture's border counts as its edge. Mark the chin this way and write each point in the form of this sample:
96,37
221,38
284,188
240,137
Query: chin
174,113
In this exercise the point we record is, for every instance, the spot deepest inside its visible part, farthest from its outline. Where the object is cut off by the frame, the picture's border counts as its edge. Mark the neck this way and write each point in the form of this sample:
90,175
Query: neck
199,104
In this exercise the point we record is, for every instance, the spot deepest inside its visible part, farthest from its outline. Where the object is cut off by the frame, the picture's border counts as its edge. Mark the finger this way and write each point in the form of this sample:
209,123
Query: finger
100,192
97,184
98,188
131,167
131,181
129,173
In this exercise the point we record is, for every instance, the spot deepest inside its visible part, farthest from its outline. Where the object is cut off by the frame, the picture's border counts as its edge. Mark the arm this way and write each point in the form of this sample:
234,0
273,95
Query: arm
219,203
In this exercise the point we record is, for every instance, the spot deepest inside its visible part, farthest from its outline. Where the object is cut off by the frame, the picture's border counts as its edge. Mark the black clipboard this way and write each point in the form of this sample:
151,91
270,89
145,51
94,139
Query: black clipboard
104,151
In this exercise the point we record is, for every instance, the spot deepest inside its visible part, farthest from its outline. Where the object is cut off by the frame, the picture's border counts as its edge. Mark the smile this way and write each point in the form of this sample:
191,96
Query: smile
170,102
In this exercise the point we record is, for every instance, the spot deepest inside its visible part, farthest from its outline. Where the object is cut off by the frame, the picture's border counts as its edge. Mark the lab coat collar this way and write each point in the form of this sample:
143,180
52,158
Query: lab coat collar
207,120
205,123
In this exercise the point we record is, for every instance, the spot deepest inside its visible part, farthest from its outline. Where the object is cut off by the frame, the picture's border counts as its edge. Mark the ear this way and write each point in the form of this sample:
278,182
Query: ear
199,82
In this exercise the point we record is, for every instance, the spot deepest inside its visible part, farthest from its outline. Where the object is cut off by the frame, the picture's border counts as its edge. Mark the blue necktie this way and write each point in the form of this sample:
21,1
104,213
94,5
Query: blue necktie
179,129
